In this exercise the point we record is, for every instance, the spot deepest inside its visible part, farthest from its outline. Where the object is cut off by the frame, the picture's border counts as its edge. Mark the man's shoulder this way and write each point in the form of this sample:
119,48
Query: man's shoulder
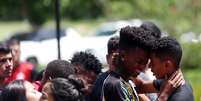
183,93
103,75
25,66
112,80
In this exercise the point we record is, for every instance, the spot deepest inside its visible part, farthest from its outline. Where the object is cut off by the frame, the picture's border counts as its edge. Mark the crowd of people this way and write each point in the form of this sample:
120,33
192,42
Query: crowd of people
131,57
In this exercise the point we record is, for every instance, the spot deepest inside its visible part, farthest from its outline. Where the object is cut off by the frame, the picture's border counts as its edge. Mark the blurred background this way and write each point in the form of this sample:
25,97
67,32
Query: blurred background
88,24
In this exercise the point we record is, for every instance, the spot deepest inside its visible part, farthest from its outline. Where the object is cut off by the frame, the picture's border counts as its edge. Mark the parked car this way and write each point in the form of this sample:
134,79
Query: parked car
46,50
39,35
43,46
110,28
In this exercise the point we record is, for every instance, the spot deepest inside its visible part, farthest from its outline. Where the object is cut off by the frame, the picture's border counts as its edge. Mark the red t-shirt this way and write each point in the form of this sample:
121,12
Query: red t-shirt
23,71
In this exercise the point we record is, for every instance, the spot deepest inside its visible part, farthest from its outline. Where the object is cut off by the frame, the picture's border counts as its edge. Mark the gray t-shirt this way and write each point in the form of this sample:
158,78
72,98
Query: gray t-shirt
183,93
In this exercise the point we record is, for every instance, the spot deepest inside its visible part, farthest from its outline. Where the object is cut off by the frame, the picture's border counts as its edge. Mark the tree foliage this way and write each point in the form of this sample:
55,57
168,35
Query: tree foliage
174,16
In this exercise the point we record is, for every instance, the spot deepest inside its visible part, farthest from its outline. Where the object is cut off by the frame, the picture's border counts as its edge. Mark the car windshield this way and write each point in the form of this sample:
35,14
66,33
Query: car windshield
47,33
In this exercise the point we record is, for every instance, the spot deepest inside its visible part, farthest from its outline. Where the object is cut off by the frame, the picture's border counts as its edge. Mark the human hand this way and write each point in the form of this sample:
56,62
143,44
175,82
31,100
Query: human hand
175,81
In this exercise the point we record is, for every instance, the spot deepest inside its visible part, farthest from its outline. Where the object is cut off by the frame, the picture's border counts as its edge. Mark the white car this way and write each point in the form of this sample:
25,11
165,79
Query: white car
46,50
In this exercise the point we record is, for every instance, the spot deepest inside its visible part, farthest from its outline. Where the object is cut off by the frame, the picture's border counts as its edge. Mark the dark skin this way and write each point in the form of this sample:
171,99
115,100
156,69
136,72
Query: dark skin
134,61
6,67
88,77
163,69
132,65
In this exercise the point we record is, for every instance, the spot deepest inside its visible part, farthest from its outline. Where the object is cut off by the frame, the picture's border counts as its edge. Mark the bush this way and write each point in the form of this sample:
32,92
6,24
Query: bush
191,55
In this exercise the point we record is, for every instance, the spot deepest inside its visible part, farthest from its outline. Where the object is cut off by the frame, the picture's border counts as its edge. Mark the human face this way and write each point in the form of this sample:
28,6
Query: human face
31,93
16,54
135,60
47,93
88,77
109,58
157,67
6,65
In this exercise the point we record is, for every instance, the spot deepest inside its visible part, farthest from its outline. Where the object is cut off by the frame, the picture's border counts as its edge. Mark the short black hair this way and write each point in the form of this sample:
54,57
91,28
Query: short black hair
113,44
135,37
65,90
59,68
12,42
168,47
14,91
88,61
4,48
150,26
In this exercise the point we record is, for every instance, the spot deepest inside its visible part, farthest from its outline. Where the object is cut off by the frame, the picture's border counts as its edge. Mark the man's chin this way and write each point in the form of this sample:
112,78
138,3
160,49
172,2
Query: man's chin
8,75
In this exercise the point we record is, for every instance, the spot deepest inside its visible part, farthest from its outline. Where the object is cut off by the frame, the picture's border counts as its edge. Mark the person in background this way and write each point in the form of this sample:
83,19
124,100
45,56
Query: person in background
20,90
6,63
55,69
21,70
112,47
150,26
87,67
61,89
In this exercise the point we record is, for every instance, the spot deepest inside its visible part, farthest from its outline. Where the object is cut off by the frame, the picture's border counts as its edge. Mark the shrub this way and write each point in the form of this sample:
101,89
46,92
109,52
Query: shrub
191,55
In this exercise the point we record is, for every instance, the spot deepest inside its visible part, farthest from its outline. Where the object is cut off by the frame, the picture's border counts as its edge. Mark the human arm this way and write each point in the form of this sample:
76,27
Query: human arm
170,85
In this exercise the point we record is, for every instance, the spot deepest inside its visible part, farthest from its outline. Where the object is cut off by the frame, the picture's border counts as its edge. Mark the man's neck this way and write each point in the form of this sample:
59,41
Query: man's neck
123,73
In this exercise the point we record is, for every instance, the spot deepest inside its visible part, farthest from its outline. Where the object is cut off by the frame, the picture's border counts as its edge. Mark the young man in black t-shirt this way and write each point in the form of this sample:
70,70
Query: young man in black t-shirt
134,46
113,46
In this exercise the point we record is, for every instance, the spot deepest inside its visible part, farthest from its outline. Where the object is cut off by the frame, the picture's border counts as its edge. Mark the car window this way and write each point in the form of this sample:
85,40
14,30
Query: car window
105,33
45,34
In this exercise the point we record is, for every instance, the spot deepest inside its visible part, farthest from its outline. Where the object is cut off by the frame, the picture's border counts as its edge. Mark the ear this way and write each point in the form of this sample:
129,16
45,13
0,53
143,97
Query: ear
168,66
107,58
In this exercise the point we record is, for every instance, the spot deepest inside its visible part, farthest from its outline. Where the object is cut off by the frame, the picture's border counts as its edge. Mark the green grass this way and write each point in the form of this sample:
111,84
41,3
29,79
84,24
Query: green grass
194,78
8,28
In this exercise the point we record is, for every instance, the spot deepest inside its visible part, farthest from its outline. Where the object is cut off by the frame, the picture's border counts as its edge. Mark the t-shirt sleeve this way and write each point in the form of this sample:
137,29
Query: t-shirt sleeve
157,83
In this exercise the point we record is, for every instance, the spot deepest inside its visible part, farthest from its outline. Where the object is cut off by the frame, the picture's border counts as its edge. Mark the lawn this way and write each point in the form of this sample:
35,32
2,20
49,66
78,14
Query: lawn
194,78
8,28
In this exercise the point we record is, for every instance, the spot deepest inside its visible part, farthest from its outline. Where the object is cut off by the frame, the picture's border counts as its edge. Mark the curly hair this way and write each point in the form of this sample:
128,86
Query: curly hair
88,61
65,90
150,26
133,37
59,68
14,91
168,47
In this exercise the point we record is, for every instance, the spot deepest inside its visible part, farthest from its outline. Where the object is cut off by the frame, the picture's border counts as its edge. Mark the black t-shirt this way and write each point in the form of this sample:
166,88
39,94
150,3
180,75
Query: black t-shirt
183,93
96,92
116,89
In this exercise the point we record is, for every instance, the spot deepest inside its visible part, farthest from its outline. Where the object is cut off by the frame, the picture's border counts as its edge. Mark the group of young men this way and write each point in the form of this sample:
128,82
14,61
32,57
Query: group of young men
131,53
